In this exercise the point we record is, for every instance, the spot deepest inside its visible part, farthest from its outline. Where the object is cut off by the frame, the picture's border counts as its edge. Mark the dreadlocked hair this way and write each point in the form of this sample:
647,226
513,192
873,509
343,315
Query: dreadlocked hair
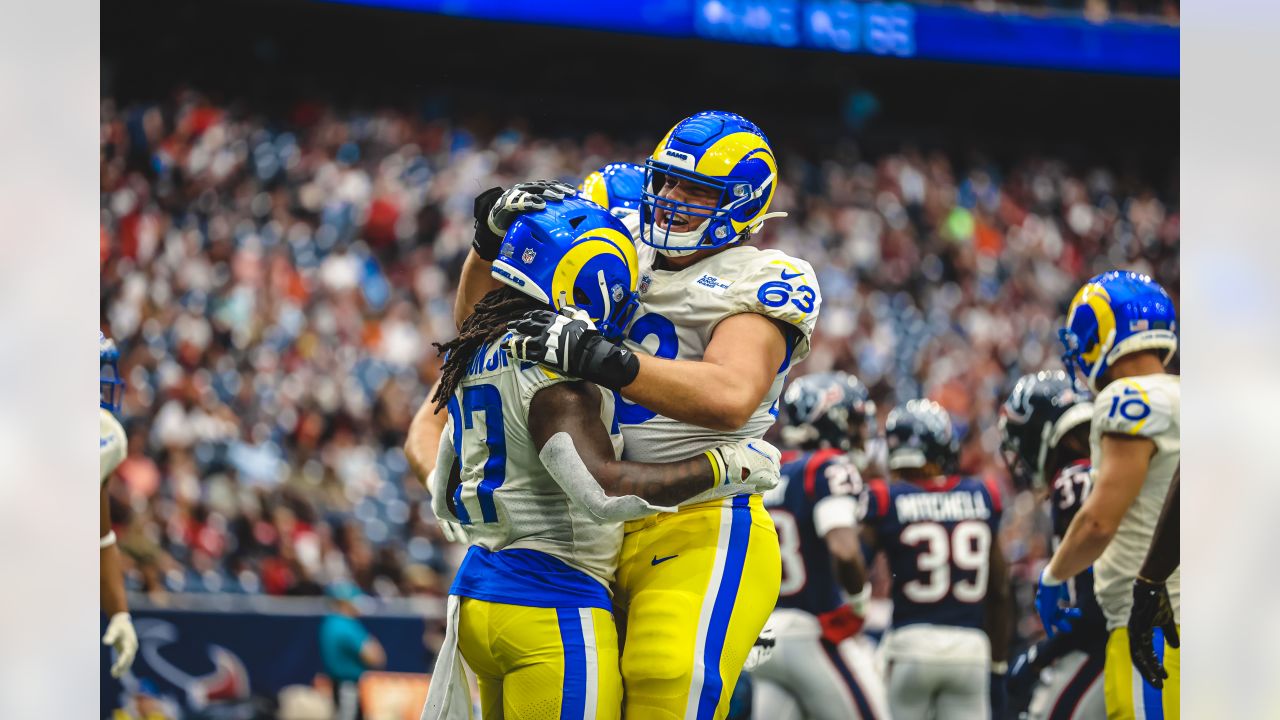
486,324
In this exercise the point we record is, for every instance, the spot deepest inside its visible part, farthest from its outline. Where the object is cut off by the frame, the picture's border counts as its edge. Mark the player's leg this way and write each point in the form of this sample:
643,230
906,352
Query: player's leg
911,689
797,672
552,663
1129,697
965,691
1070,689
473,642
698,586
771,700
867,687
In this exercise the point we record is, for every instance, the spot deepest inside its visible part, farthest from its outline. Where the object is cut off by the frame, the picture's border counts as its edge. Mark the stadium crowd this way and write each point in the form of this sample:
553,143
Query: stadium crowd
276,285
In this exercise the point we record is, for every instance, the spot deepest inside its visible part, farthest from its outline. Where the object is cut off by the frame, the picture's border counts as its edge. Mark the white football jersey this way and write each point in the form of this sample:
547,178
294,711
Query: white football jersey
112,444
1148,406
679,310
507,496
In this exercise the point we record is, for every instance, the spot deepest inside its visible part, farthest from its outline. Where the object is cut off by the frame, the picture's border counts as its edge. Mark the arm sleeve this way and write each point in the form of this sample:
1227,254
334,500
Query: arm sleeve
561,459
1134,407
835,511
781,288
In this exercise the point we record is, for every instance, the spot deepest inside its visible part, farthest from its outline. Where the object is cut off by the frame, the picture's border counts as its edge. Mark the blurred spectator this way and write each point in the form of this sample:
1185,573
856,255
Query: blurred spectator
347,650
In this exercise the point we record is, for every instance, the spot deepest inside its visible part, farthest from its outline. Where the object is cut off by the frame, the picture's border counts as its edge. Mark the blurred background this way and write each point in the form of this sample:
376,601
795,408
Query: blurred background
286,193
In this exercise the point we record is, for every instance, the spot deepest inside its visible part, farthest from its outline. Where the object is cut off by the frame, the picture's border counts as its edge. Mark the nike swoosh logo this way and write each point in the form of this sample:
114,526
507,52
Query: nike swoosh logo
656,560
787,276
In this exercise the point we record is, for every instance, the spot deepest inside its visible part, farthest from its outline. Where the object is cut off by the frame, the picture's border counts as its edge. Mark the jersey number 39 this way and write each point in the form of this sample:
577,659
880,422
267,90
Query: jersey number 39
965,548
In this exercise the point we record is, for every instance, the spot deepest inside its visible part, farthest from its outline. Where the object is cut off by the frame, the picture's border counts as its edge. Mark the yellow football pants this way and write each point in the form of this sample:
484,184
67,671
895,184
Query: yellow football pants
542,663
694,588
1129,697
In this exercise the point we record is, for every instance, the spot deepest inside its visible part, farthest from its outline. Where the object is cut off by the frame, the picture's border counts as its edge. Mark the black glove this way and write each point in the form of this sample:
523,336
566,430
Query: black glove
1151,609
495,209
999,696
1023,672
567,341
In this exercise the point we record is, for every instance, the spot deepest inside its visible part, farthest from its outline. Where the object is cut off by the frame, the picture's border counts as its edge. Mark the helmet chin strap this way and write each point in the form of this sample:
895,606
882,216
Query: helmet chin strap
758,224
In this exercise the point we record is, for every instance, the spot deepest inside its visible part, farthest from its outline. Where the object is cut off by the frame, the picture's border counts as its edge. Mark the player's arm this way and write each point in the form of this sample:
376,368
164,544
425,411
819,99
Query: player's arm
475,282
1125,460
564,421
372,654
421,443
999,607
846,557
1163,556
721,391
120,633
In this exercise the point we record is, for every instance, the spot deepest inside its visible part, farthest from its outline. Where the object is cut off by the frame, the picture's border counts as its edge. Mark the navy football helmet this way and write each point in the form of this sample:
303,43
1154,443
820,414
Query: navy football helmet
832,409
1042,408
918,433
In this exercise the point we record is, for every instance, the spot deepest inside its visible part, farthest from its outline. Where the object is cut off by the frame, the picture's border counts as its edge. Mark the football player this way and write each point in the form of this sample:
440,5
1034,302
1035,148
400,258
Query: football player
1121,332
112,447
703,362
951,600
819,669
616,187
1044,440
528,467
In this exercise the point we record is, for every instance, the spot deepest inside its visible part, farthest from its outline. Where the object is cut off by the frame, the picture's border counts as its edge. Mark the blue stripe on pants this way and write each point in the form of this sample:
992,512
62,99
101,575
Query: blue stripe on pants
1152,699
573,700
859,697
722,610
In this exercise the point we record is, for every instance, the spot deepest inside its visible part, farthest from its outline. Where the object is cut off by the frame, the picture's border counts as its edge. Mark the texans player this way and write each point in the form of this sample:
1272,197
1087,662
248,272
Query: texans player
1044,429
819,668
951,600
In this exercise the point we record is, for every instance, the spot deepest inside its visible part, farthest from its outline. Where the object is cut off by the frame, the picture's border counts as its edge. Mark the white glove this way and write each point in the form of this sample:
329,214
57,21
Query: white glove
753,463
454,532
121,636
762,650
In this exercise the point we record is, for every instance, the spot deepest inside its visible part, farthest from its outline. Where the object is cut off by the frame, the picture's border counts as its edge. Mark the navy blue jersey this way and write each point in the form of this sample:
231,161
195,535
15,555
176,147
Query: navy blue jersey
938,540
827,478
1070,487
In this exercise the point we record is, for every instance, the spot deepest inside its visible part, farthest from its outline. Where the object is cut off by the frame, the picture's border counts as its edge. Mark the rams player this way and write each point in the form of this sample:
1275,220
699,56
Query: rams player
1121,332
112,446
527,466
950,584
1044,429
617,187
818,669
703,361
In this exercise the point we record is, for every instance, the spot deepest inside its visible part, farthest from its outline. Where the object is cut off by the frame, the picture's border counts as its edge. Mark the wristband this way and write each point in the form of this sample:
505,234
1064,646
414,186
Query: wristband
107,540
1047,578
999,668
717,468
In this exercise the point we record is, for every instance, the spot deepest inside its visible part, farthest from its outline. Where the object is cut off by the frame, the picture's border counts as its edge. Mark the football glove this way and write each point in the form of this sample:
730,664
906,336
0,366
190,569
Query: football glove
495,209
568,342
1053,602
121,636
1024,672
762,650
753,463
1151,610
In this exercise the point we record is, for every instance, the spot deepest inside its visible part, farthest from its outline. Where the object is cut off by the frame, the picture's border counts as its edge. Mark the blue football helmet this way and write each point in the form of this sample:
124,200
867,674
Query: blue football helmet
918,433
110,386
719,151
573,253
615,187
1115,314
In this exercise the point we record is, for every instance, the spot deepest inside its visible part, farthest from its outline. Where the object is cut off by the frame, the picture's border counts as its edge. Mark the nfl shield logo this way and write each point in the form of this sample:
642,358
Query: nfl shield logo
617,293
528,256
644,283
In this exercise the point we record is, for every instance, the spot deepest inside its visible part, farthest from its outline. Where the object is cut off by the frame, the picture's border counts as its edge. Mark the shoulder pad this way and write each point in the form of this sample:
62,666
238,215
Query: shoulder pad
781,287
1136,406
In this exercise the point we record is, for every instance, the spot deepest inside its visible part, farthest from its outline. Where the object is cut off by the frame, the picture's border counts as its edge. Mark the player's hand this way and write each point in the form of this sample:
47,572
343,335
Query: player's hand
1151,609
121,636
495,209
1053,605
751,462
762,650
568,342
1023,672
